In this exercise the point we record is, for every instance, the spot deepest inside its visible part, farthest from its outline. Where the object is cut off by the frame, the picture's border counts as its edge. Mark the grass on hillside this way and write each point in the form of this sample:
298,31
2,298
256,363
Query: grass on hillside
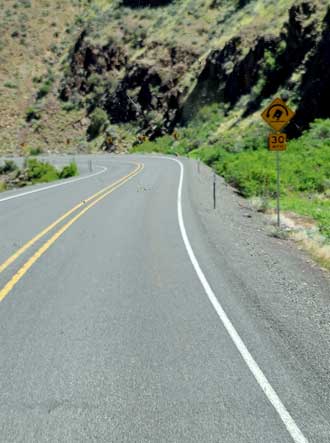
243,159
34,36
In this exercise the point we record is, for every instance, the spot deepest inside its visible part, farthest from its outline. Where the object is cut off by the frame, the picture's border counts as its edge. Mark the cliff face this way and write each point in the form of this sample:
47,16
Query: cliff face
132,90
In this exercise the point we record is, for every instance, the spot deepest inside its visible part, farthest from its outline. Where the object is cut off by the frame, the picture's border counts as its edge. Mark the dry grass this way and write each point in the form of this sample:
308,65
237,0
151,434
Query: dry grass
305,232
318,250
28,31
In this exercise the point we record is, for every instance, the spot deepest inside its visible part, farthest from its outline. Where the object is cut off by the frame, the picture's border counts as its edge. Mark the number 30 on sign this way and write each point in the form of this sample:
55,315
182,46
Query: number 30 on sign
277,142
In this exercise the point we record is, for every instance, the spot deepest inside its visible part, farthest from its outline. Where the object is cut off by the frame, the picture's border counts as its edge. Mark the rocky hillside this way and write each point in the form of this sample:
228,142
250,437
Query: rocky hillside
124,70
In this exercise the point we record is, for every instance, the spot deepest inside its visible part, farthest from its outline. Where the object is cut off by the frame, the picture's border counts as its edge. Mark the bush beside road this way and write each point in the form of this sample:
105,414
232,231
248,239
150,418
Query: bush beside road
33,171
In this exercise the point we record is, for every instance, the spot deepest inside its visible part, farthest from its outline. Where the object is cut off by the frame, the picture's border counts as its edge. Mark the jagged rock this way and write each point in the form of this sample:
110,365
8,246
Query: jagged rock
87,60
146,93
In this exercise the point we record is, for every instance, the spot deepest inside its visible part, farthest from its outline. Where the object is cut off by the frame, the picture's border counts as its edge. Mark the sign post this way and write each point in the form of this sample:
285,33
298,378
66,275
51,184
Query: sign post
214,190
278,189
277,115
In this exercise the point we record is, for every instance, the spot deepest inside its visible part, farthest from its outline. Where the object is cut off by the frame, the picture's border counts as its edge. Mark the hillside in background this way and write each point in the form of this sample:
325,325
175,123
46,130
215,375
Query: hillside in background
88,75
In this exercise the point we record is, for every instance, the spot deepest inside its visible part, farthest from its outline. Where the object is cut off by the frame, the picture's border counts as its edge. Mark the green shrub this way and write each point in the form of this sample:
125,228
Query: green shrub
10,85
94,80
69,171
41,172
35,151
318,134
32,113
3,186
8,166
68,106
26,3
44,89
162,145
98,120
250,172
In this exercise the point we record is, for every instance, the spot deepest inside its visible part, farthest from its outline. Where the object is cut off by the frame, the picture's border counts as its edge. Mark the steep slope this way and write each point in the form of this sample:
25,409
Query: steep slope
34,34
155,68
133,69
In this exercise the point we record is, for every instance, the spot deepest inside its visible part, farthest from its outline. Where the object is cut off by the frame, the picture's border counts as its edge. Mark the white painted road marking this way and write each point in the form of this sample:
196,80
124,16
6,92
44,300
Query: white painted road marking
260,377
66,182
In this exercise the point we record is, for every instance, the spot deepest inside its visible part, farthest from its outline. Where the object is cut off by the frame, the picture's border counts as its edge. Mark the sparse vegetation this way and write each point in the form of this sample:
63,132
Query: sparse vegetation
9,84
35,151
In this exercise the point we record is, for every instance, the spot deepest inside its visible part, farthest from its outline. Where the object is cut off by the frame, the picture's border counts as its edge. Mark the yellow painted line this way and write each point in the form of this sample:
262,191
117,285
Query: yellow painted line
35,257
45,231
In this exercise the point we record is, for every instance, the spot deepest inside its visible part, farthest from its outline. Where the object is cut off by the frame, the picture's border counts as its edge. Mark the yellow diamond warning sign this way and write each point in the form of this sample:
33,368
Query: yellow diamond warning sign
277,142
277,114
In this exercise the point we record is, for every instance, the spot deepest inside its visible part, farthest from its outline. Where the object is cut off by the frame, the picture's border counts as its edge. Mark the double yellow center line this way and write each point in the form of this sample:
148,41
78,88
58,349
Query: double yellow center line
94,199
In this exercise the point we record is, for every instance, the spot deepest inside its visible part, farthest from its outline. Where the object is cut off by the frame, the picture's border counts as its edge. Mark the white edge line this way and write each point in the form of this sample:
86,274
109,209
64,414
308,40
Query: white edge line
260,377
66,182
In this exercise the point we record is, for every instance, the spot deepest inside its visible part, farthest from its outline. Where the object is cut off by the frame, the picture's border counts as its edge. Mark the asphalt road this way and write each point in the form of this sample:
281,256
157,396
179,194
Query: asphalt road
143,315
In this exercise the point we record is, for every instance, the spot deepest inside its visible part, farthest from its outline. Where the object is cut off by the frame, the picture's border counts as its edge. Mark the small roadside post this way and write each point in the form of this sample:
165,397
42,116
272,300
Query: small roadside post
198,166
214,190
277,115
90,166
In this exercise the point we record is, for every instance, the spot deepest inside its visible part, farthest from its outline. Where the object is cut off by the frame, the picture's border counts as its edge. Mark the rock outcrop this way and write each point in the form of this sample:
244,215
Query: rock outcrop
145,92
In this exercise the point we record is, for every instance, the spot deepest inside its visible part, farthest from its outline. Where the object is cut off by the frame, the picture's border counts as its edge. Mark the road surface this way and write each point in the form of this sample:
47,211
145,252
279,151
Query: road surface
131,311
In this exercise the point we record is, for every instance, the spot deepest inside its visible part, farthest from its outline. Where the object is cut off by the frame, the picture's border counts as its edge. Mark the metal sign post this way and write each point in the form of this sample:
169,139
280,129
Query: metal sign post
278,189
277,115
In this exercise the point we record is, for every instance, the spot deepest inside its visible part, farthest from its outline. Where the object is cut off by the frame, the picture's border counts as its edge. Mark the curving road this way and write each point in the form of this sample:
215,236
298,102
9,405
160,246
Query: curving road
132,312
